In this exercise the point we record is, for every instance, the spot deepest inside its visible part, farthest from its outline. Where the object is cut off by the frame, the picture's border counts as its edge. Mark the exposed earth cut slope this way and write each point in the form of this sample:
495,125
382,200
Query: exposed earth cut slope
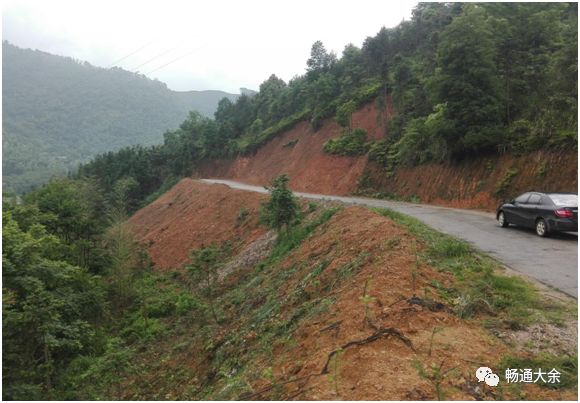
192,215
299,153
474,183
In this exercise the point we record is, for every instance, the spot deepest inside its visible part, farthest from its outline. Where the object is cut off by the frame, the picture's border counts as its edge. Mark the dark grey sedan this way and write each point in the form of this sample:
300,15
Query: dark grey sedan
545,212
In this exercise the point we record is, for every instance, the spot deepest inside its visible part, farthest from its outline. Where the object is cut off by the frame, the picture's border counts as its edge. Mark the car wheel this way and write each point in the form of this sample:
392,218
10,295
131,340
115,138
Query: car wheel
501,220
541,227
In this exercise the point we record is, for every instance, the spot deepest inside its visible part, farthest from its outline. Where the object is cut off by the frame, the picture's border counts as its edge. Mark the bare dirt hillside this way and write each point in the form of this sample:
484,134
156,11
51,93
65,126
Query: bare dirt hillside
345,307
192,215
309,167
481,183
474,183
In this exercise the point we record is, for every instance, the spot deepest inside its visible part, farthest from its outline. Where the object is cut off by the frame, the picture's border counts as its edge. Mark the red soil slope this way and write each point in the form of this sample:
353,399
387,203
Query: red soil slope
475,183
309,167
471,184
192,215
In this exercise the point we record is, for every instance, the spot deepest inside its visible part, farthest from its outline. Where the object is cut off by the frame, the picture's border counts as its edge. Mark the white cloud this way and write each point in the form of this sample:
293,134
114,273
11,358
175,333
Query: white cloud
225,44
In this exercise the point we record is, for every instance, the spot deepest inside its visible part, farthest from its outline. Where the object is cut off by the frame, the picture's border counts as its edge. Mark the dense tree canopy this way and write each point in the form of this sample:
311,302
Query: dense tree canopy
465,79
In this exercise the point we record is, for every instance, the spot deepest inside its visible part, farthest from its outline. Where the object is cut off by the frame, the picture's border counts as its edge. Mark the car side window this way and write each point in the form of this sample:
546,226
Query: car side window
546,201
522,199
534,199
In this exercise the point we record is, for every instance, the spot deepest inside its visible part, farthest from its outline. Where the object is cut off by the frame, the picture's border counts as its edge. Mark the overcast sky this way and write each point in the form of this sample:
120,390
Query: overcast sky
212,44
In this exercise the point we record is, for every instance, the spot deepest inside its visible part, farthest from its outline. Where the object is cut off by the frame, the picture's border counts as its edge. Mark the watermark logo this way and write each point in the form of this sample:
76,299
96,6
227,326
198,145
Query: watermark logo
512,375
485,374
528,375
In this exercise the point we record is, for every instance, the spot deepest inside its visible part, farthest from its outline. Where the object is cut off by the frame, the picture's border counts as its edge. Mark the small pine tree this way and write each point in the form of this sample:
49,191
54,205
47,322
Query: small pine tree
204,270
282,208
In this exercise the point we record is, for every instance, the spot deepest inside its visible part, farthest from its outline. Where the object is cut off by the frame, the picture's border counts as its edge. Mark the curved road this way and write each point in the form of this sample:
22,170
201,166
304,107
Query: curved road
552,261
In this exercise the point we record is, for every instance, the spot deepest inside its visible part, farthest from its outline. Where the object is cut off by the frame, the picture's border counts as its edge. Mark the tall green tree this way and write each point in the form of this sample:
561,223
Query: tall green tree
282,209
48,308
466,84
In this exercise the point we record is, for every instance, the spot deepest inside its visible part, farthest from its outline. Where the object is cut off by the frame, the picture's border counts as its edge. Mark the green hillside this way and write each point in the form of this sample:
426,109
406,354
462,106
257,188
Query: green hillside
466,81
58,111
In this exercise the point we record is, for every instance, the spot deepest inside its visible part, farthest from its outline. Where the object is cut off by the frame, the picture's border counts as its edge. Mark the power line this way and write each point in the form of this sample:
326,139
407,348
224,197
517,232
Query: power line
154,58
174,60
131,54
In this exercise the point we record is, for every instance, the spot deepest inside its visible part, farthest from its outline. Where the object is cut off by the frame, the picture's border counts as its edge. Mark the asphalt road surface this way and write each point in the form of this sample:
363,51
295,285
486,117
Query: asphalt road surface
552,261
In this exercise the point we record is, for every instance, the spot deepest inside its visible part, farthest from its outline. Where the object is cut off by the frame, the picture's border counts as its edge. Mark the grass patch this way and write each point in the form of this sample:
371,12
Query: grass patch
167,184
292,238
479,288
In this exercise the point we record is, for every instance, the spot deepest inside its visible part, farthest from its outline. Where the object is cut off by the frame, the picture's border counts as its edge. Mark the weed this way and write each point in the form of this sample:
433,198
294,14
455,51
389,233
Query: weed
366,300
433,332
243,216
347,270
488,167
414,199
448,247
392,243
505,182
333,378
312,206
289,240
542,169
435,375
478,289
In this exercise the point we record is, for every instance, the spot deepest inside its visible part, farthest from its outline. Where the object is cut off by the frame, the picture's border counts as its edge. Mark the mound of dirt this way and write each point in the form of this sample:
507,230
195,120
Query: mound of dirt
192,215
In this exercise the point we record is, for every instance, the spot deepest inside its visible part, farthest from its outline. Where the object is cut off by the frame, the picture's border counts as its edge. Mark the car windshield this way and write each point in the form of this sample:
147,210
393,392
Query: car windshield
565,200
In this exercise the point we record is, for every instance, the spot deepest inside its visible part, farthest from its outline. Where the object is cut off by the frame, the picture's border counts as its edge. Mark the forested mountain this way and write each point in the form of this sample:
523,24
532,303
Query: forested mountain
465,79
86,317
58,112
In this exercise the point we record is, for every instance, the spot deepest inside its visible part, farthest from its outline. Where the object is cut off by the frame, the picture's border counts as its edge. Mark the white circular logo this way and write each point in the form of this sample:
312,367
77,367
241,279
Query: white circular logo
485,374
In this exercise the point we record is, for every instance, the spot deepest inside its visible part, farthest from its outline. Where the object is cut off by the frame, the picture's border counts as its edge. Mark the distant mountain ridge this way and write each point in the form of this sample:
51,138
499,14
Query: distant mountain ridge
58,111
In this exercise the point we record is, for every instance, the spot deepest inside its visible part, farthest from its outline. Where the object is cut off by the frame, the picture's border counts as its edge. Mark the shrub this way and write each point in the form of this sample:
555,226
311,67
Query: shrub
350,143
344,113
243,215
505,182
143,329
186,303
282,208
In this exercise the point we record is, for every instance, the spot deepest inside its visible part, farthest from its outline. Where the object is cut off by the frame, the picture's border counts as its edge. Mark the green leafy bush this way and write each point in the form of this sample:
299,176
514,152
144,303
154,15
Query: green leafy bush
505,182
349,143
143,329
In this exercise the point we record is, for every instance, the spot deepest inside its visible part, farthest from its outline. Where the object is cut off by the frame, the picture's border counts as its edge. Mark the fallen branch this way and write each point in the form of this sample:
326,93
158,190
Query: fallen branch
375,336
380,332
331,326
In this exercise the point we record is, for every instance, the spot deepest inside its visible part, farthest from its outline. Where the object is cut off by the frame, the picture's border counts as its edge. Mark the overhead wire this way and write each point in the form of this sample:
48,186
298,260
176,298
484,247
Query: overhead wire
130,54
154,58
175,60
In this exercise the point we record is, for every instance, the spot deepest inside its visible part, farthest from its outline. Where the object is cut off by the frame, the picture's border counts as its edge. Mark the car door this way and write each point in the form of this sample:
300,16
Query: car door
515,213
530,210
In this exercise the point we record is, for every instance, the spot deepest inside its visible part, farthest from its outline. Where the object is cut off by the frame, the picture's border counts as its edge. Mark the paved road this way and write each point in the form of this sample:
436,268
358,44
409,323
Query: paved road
552,261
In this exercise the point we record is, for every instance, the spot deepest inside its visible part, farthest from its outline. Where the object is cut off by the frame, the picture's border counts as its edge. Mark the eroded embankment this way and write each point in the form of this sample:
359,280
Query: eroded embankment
474,183
329,285
192,215
309,167
480,183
